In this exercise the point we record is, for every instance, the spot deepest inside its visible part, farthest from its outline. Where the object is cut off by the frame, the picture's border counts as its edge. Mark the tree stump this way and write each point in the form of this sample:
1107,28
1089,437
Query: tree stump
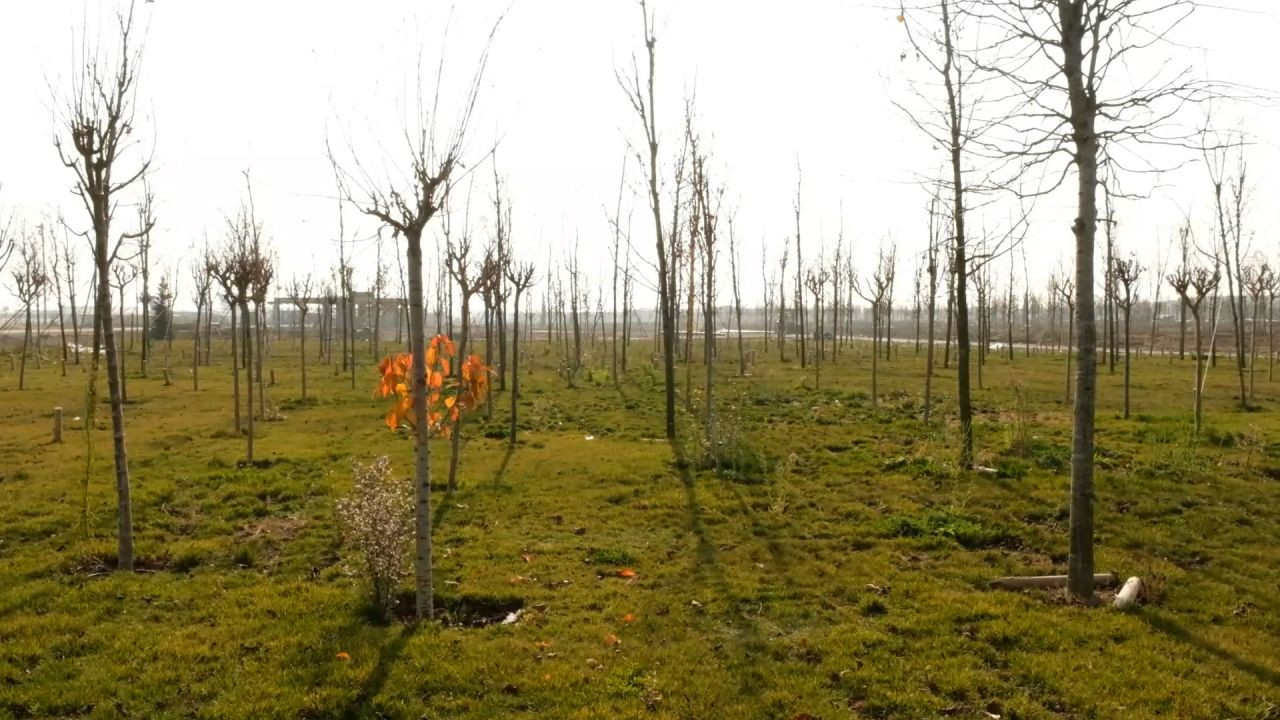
57,424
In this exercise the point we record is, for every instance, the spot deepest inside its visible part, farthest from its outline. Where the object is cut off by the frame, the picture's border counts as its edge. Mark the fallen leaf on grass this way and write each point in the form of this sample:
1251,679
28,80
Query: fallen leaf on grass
626,573
344,656
629,618
611,640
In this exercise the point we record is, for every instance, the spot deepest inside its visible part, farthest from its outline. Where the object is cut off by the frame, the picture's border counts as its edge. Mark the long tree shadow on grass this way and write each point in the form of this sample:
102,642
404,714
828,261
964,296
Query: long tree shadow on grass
1177,632
747,639
362,705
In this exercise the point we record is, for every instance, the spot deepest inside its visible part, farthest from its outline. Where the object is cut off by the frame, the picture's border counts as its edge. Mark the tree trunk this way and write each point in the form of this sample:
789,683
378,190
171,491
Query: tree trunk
1128,308
115,387
1083,110
423,586
515,363
195,351
456,441
302,345
235,366
247,333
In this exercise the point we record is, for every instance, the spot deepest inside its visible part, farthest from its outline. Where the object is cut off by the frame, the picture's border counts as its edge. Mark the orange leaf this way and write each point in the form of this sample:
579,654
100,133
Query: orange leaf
626,573
344,656
611,640
629,618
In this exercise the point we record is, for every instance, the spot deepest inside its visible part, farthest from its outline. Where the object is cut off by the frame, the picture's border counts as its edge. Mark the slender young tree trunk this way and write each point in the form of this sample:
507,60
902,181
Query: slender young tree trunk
456,441
235,367
195,350
515,363
423,586
1198,390
1128,308
247,332
929,349
124,388
302,349
26,341
115,387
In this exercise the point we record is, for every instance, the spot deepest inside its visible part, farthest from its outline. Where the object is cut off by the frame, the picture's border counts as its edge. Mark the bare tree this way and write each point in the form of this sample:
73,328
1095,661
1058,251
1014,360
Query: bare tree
951,127
300,292
521,278
1125,274
703,228
1229,216
201,280
1257,279
1065,290
56,276
873,292
223,267
1058,56
816,282
29,280
124,273
98,122
69,267
1192,286
936,231
471,279
641,95
795,206
146,220
782,303
737,297
616,223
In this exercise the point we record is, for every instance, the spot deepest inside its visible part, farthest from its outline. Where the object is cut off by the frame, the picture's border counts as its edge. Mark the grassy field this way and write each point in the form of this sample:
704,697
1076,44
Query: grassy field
844,578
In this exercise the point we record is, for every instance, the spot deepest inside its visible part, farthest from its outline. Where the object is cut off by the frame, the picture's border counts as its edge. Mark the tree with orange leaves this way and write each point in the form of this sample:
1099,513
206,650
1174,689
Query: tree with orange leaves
447,395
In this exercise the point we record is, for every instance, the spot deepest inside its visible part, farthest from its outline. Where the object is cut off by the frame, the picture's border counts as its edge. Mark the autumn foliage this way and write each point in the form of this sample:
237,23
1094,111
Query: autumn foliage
447,395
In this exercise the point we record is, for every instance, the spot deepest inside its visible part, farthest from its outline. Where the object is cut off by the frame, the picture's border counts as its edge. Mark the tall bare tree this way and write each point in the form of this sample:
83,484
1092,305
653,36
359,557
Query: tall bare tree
1229,219
95,141
949,125
640,93
1058,57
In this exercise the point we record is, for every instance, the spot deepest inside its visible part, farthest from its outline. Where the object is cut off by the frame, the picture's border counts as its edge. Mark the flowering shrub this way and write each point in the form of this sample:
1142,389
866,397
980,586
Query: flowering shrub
377,521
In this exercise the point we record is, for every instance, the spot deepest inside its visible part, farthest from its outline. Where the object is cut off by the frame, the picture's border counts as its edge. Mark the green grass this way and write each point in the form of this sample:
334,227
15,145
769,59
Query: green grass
840,573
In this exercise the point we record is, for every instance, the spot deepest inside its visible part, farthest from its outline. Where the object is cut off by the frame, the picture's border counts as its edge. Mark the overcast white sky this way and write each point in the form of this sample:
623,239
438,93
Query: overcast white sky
246,84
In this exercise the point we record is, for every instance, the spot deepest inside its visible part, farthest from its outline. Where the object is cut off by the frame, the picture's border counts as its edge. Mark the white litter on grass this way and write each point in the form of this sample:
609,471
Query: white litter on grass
589,437
511,618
